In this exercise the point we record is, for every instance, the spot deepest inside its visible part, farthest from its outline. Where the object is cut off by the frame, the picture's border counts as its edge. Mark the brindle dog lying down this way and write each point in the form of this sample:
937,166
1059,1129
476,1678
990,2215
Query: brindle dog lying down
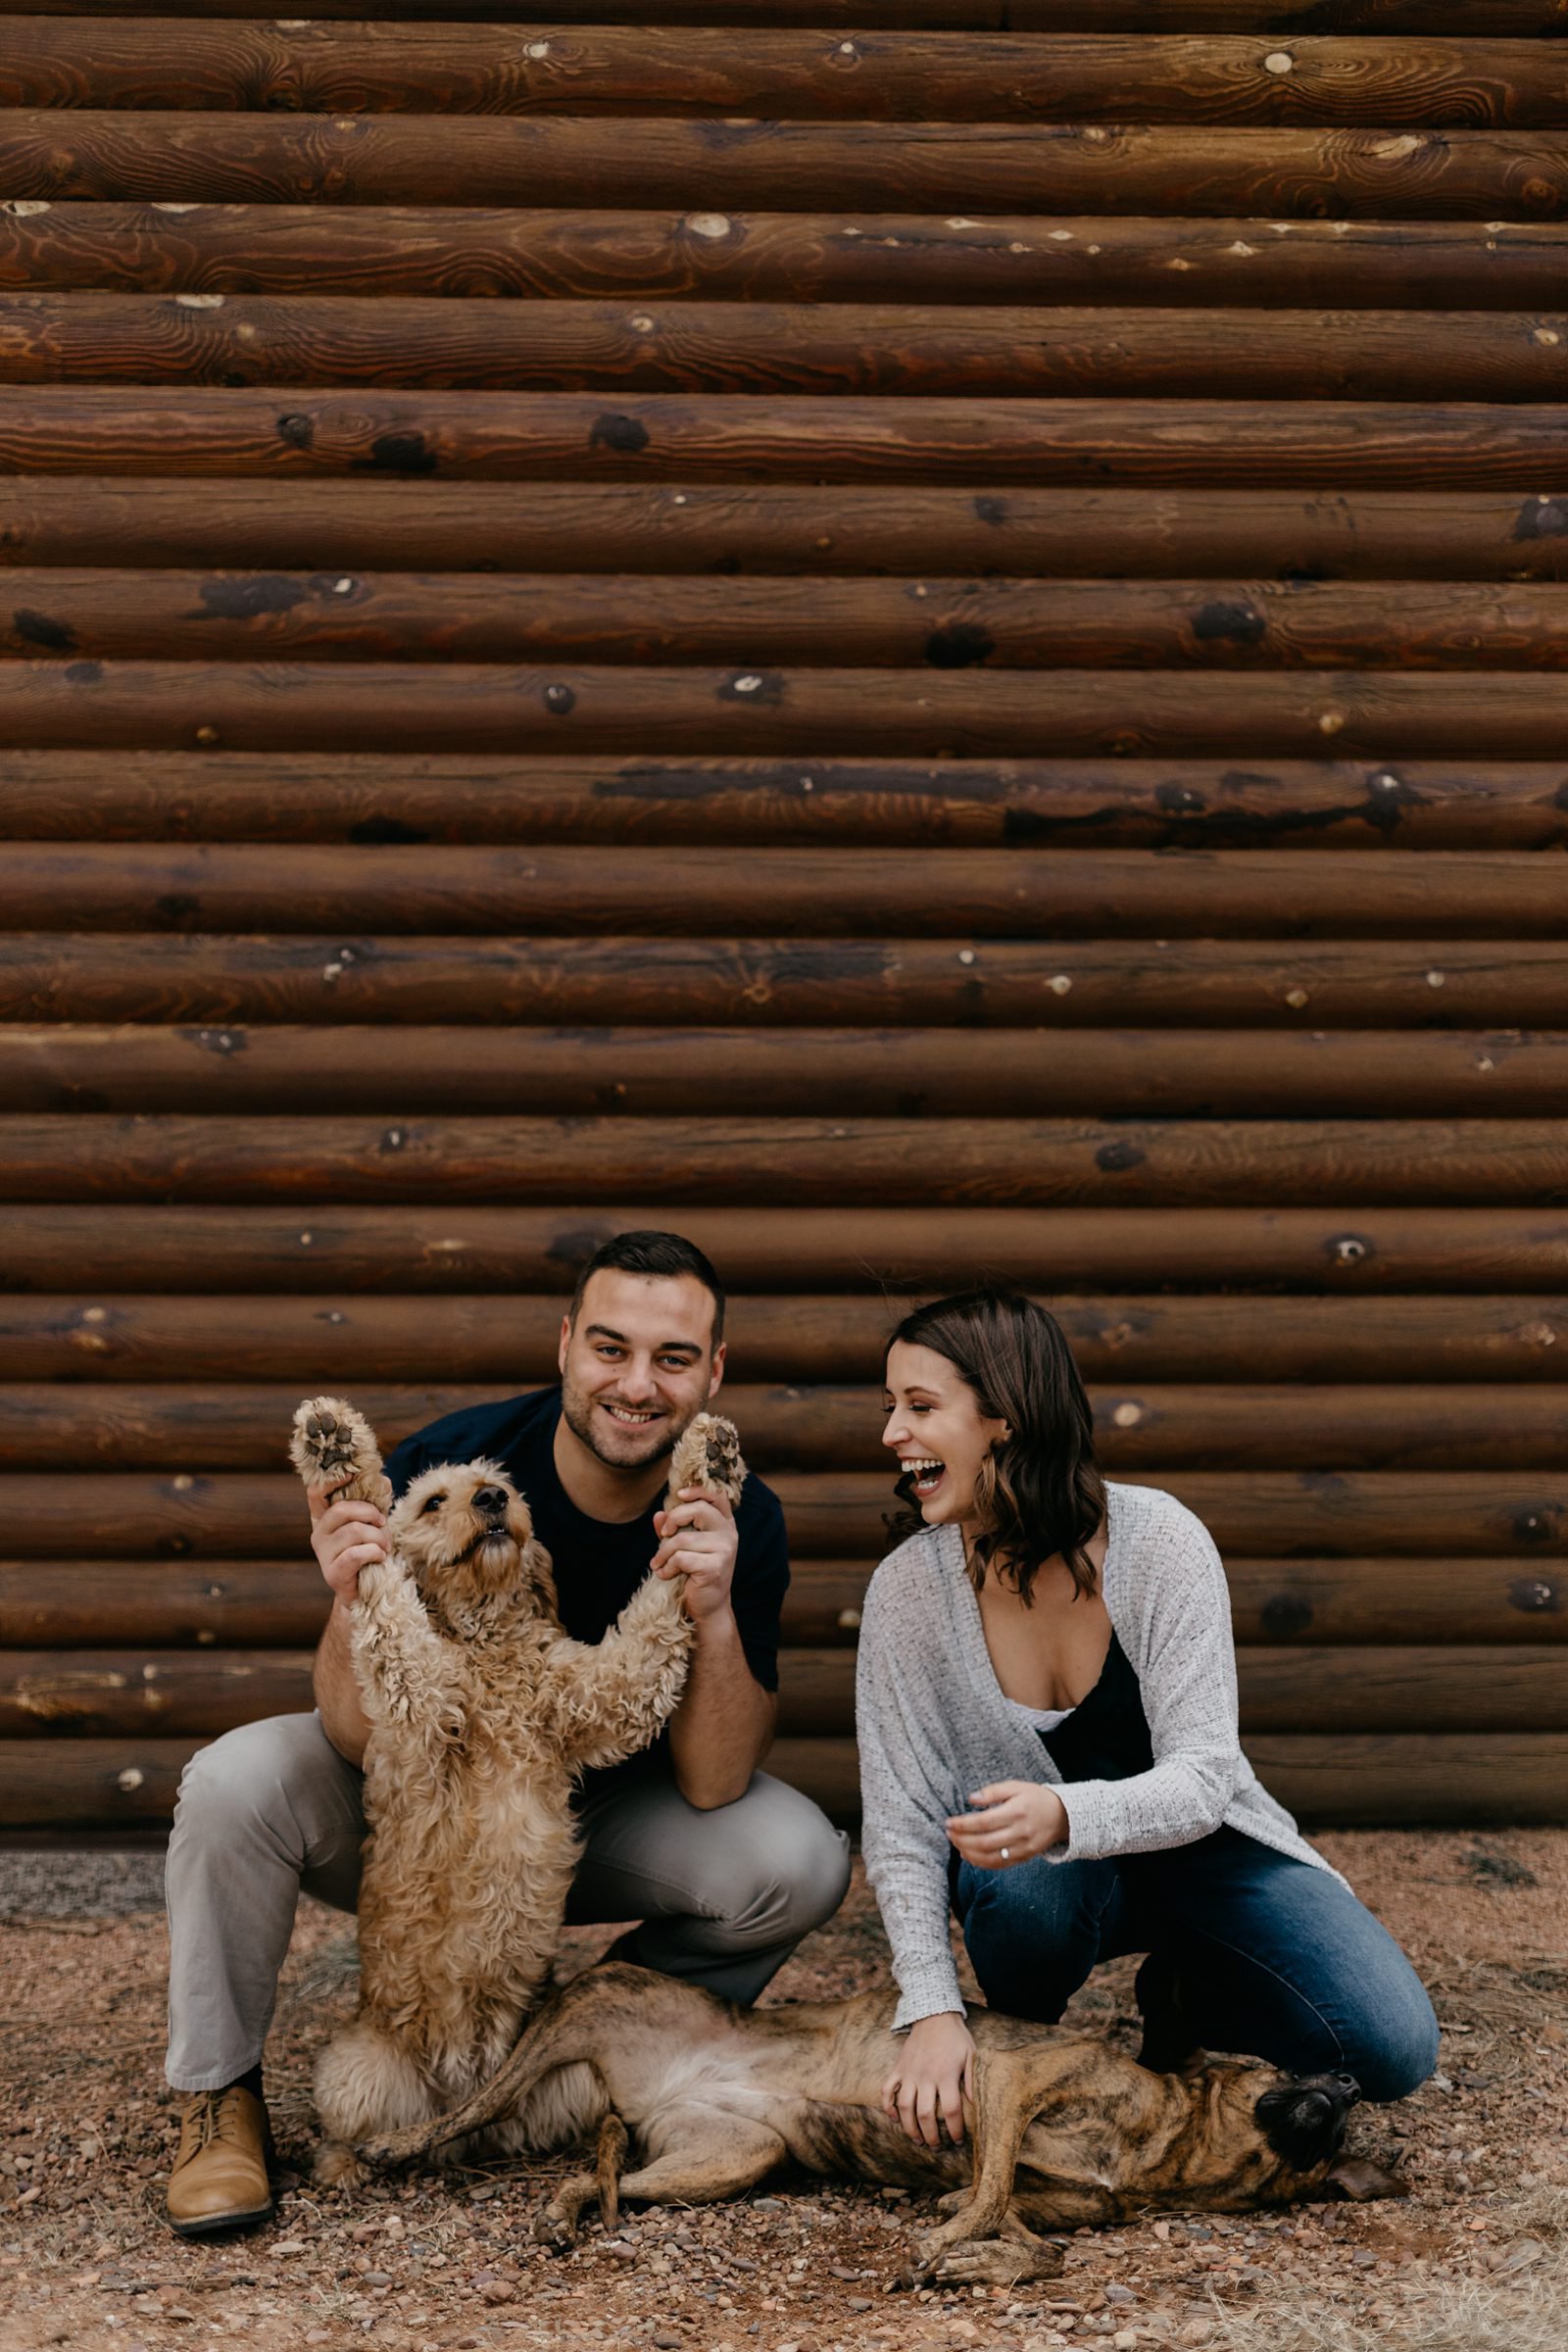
1068,2131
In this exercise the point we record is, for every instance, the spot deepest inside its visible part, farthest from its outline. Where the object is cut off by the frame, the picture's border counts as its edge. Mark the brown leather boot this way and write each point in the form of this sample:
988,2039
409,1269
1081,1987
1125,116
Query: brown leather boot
220,2176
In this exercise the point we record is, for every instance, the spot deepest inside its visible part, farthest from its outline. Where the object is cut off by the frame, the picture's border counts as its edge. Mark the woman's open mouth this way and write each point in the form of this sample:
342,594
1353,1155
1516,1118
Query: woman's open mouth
925,1474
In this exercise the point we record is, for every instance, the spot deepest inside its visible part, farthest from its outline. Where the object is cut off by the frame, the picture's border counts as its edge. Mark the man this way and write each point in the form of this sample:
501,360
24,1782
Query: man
725,1868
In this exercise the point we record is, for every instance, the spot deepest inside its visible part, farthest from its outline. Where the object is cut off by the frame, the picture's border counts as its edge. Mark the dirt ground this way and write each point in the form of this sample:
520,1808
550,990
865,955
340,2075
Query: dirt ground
1476,2257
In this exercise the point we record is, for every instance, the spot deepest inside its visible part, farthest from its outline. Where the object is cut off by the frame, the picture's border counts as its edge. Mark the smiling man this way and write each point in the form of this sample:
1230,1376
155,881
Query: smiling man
725,1868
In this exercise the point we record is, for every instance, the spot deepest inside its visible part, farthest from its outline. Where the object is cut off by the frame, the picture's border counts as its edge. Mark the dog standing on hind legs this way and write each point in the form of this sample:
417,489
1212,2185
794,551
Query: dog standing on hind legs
483,1712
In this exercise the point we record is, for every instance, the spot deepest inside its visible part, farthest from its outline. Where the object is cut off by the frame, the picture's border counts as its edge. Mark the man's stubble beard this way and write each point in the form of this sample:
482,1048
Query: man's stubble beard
578,1414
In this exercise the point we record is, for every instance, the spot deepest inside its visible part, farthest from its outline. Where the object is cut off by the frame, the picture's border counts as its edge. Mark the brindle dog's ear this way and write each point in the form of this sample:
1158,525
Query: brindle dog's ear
1359,2178
1298,2122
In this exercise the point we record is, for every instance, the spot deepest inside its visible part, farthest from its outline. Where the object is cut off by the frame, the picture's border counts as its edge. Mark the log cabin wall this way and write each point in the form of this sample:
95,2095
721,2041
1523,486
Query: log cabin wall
924,639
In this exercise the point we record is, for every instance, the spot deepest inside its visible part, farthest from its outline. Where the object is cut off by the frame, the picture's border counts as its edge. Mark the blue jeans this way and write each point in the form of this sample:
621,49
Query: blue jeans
1265,1954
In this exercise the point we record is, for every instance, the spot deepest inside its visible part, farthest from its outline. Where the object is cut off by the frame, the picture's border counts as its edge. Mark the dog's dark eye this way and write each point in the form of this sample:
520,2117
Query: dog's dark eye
434,1504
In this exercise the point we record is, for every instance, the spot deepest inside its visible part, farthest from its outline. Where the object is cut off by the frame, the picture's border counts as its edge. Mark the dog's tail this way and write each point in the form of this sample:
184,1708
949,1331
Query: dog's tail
560,2034
610,2160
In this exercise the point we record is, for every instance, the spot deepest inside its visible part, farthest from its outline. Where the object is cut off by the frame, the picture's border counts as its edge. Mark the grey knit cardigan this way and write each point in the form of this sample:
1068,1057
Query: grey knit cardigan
934,1725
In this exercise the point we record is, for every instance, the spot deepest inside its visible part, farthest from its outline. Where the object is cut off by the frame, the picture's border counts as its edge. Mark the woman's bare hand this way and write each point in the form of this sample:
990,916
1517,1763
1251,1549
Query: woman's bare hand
934,2077
1014,1821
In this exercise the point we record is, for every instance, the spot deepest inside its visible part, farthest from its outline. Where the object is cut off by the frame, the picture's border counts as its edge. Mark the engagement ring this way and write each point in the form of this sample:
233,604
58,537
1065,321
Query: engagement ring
1005,1856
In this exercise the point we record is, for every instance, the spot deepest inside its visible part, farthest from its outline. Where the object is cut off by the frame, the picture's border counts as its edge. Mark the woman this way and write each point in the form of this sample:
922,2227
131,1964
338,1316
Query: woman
1047,1715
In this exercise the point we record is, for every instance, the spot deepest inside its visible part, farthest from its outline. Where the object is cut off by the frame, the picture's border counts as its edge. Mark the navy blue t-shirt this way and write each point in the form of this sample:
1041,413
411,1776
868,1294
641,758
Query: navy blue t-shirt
599,1563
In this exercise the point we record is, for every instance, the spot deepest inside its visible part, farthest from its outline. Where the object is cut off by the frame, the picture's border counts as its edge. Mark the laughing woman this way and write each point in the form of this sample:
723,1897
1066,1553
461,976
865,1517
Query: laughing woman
1047,1716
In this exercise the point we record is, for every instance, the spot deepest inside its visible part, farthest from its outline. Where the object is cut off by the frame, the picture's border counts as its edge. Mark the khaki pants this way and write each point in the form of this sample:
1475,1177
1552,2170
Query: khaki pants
723,1896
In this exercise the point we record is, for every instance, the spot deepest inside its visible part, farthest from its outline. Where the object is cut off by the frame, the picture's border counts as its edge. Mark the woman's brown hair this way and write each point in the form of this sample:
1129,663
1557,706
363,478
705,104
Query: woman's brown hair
1040,1491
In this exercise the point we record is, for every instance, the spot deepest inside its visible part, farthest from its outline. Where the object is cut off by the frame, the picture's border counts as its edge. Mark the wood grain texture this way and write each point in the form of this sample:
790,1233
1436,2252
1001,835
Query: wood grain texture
780,529
379,799
283,1603
883,1252
1493,20
140,1693
1434,1690
822,892
941,623
1217,169
995,1162
1118,1339
758,256
869,350
908,1072
239,1515
1334,445
136,1425
214,981
1328,1780
760,71
653,712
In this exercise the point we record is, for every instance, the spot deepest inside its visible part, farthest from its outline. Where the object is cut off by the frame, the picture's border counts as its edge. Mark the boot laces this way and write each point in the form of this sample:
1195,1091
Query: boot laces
212,2119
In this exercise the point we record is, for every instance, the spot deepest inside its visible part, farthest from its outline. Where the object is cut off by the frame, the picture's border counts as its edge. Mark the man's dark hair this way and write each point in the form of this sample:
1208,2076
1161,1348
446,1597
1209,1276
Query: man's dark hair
663,1254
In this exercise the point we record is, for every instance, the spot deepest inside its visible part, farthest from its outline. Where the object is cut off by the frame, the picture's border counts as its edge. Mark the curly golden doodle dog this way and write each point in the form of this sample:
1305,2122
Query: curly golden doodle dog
481,1713
1067,2130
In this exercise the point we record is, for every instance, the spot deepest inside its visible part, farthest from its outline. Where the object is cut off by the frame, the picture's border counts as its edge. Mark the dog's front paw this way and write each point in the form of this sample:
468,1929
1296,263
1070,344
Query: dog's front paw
336,2166
707,1455
332,1445
995,2261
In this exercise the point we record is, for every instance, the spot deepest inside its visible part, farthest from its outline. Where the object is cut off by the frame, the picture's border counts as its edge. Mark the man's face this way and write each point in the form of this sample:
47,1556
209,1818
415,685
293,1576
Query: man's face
638,1364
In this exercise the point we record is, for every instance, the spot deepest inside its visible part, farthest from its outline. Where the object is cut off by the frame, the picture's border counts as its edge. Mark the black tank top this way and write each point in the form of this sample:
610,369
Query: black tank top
1106,1736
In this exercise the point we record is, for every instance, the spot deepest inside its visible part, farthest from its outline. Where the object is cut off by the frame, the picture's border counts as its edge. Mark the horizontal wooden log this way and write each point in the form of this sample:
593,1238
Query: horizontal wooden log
906,1071
783,75
1337,1426
90,1784
1264,1514
131,1695
367,705
1335,445
780,529
1368,1781
1322,1691
942,622
502,1337
283,1603
383,798
899,1162
915,166
1491,20
822,892
1373,1780
867,350
884,1250
769,982
134,1693
778,257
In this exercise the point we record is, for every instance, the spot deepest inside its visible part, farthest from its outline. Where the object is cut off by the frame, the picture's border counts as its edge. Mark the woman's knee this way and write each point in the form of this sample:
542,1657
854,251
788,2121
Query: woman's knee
1032,1932
1393,2049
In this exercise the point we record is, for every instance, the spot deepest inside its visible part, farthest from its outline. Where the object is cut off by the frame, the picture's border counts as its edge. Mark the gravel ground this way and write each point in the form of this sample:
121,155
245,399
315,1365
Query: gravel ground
1473,2262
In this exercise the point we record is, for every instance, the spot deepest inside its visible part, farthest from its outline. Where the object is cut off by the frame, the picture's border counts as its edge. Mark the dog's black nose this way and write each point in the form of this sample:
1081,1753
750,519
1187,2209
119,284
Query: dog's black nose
490,1502
1349,2088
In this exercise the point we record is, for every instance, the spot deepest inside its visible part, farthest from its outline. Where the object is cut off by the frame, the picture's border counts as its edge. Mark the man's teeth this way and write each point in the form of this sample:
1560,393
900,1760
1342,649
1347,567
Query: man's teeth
620,1412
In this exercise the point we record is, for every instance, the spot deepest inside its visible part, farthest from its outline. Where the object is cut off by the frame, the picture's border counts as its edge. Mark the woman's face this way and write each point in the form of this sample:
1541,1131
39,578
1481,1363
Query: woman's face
938,1431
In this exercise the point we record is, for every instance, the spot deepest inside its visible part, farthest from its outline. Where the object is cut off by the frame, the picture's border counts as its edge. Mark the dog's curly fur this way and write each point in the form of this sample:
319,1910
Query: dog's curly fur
483,1712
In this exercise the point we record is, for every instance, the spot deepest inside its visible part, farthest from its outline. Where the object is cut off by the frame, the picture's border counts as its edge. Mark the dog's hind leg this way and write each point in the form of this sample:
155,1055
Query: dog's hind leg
705,2156
558,2225
609,2162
